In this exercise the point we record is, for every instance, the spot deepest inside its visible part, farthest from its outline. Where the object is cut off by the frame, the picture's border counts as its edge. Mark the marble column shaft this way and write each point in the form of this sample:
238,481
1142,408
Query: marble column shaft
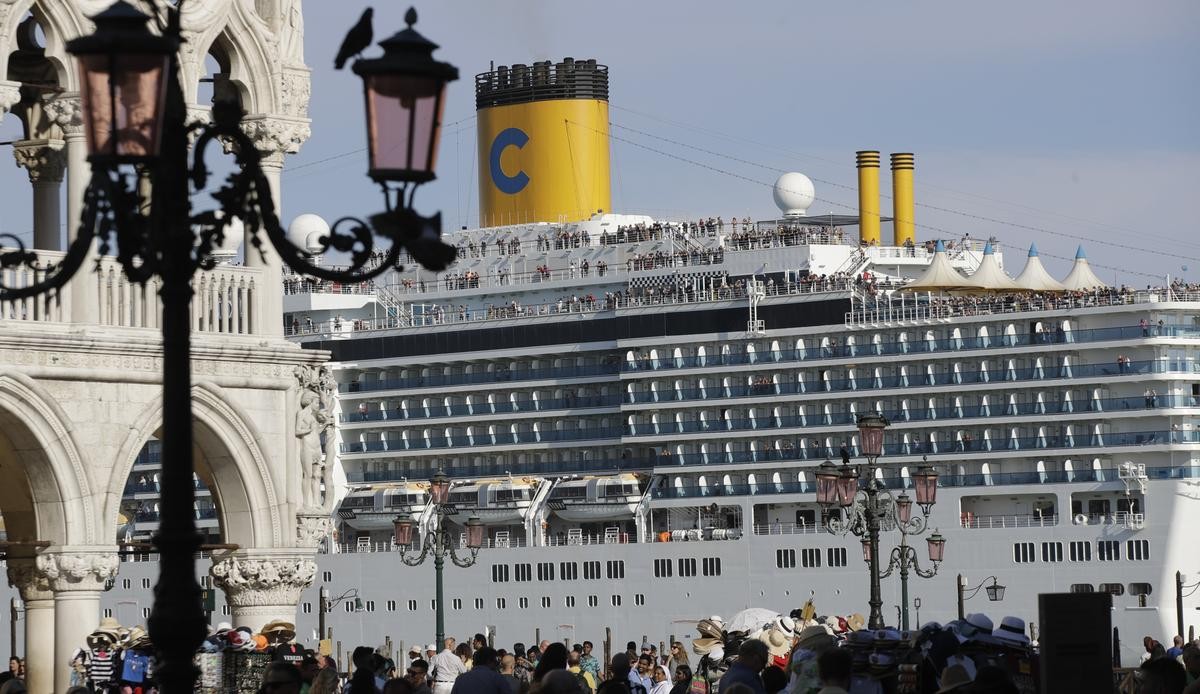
44,161
77,575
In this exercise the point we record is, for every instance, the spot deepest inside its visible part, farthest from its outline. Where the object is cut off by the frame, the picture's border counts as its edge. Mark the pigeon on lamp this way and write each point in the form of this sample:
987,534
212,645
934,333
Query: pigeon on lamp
356,40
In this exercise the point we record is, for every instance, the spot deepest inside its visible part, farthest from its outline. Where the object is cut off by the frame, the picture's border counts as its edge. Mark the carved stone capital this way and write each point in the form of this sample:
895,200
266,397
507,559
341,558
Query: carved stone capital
66,111
78,569
29,580
311,530
10,95
275,136
250,581
44,160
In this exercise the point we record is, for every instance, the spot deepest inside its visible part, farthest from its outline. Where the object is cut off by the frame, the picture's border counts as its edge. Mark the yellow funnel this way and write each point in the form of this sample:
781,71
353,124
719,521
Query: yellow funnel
868,197
543,142
904,230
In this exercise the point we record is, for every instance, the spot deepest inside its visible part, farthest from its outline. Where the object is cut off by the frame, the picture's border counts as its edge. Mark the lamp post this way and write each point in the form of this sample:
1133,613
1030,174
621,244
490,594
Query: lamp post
995,592
134,117
438,542
326,603
1180,586
863,508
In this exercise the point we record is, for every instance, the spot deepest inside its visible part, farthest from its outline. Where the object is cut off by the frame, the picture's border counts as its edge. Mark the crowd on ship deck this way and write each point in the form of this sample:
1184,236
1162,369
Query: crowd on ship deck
970,305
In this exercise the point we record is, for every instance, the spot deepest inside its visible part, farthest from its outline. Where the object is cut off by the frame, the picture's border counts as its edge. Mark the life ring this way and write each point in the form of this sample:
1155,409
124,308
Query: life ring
1081,519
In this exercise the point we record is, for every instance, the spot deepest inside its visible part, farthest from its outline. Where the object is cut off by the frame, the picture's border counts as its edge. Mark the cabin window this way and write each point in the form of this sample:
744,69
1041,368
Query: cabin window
639,599
1052,551
616,569
328,577
307,608
499,573
1114,588
1108,550
569,601
479,603
523,572
836,556
616,601
501,603
1023,552
591,570
687,567
523,603
785,558
569,571
1081,551
593,601
412,605
1082,588
711,566
545,571
1140,589
810,558
662,568
1137,550
391,605
545,601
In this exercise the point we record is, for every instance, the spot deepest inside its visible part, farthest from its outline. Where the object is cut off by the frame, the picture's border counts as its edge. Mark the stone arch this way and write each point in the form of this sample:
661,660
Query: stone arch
241,48
35,434
236,469
60,22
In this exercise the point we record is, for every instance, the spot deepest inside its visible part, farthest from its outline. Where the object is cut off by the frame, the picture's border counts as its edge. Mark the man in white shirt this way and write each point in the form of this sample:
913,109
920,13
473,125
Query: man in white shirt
446,668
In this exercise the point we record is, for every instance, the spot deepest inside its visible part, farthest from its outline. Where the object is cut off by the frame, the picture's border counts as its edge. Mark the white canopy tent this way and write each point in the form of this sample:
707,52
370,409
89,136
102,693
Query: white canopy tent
989,277
1081,277
940,276
1034,277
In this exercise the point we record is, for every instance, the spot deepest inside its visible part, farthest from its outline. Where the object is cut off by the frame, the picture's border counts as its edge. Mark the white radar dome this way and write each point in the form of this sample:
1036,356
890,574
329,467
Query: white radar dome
794,194
235,234
306,229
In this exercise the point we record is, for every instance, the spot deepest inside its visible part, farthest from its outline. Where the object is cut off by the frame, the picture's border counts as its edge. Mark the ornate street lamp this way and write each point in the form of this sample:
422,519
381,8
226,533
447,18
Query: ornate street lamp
123,73
135,120
439,543
863,508
405,93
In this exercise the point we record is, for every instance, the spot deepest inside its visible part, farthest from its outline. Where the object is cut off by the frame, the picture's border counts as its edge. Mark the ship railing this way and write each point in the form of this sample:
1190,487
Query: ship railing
787,529
294,285
504,407
924,306
971,521
431,315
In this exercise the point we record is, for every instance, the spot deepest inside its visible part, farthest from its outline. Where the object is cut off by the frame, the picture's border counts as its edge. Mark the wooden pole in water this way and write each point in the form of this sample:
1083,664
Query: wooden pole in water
607,651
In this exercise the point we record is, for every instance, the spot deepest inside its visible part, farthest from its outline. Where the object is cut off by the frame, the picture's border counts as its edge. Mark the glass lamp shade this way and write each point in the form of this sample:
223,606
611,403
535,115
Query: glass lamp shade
402,527
439,488
937,546
847,487
866,545
995,592
405,95
904,509
925,486
123,74
827,477
870,432
404,118
474,533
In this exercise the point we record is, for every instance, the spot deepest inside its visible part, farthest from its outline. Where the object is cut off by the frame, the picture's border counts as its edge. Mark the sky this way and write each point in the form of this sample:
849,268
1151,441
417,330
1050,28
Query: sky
1060,123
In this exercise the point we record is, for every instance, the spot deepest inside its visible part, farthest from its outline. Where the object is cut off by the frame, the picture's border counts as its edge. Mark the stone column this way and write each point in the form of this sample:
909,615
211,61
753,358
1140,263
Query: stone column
45,161
77,575
67,112
274,137
34,587
264,584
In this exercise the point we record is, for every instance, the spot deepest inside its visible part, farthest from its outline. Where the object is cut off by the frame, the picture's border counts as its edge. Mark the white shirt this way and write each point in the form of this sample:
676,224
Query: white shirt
446,666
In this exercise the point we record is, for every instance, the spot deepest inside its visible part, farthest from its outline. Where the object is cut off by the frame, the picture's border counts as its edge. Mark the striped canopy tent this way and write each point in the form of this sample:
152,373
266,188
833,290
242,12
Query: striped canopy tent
1081,277
1034,277
940,276
989,277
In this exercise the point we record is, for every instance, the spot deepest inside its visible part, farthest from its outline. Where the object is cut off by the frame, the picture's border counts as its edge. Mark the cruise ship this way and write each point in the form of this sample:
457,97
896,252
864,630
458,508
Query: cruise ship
636,408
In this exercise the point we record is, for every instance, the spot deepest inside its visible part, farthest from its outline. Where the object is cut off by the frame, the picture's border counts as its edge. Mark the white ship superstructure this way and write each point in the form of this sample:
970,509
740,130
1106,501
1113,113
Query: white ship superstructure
636,408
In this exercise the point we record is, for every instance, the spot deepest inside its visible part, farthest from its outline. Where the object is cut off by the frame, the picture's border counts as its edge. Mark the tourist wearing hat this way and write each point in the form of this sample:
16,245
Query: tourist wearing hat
811,642
954,678
1012,632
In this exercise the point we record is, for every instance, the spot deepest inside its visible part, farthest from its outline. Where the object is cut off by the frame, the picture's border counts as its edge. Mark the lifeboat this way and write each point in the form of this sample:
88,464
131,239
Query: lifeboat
596,498
373,507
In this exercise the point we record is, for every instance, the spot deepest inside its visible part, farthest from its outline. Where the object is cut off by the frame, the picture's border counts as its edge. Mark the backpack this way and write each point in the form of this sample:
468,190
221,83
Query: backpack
581,680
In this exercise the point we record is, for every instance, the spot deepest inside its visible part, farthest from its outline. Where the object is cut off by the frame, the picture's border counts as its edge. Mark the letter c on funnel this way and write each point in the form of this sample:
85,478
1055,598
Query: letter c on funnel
509,137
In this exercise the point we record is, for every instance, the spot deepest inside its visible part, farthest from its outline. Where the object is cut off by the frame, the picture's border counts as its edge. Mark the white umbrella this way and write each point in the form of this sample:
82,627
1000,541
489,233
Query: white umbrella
751,619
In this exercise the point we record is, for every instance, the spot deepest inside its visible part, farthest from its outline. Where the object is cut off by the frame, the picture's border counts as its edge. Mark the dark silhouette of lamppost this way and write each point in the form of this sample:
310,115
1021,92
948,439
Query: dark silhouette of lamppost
995,592
438,542
863,508
134,117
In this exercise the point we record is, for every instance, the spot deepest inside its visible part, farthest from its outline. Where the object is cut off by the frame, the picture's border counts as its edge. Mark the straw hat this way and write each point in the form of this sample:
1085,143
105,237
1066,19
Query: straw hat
136,639
279,631
815,636
260,641
856,621
1012,630
778,643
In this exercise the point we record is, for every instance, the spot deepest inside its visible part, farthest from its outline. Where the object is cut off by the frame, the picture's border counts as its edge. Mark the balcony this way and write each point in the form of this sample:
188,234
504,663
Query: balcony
497,376
464,410
481,440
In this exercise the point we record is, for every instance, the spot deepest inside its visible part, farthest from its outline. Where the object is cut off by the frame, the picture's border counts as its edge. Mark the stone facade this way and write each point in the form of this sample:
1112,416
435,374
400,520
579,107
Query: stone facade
81,373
